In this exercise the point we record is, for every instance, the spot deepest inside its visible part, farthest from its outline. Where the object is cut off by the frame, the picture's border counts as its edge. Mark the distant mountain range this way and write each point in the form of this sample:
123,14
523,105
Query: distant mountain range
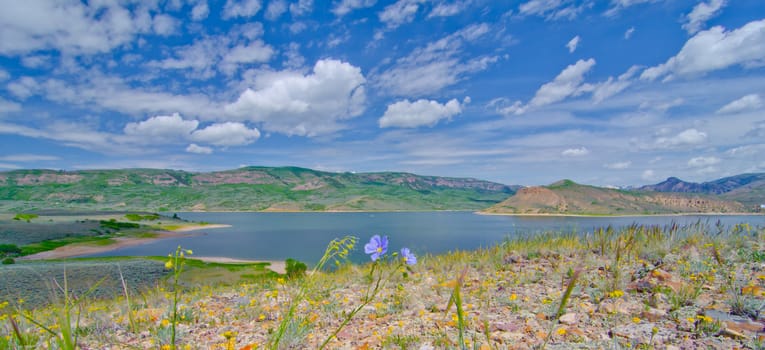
301,189
245,189
568,197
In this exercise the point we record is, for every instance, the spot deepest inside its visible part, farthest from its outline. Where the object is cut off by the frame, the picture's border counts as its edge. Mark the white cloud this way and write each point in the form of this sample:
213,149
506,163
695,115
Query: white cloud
35,61
430,68
619,165
8,106
74,27
572,44
747,103
295,104
161,127
552,9
686,137
241,8
405,114
254,52
345,6
575,152
200,11
301,7
703,11
275,9
23,158
444,9
9,166
648,175
401,12
715,49
4,75
628,33
700,162
618,5
194,148
568,83
164,25
610,87
226,134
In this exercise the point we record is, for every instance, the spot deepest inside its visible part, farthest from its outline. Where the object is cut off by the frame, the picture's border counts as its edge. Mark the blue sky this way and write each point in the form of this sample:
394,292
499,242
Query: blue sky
604,92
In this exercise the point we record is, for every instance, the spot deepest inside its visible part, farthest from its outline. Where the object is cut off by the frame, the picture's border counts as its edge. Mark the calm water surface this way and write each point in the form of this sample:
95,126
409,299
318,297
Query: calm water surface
304,236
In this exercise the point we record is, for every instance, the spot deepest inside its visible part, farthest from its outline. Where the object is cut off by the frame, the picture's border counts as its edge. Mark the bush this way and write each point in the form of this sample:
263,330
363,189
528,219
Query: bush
7,249
8,261
295,269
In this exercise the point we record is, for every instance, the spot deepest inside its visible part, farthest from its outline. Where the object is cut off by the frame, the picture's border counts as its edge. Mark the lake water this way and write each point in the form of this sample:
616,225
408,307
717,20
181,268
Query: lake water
304,236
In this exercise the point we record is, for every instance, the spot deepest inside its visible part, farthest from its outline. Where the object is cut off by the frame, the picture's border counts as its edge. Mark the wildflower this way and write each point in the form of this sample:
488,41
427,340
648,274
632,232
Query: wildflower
636,319
165,322
513,297
561,331
169,264
408,257
376,247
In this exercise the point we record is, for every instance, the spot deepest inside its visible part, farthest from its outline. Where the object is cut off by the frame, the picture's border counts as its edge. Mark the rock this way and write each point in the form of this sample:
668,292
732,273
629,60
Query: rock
505,327
735,323
653,314
727,332
568,319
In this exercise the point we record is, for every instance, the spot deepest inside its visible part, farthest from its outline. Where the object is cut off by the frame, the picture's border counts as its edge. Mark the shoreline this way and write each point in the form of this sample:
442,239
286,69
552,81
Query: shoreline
616,216
275,266
76,250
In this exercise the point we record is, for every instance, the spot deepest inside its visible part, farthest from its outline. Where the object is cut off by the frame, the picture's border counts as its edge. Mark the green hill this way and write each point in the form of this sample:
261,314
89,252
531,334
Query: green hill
568,197
245,189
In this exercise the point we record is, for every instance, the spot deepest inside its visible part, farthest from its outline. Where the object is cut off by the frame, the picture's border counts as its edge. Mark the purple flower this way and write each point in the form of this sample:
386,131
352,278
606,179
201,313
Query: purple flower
408,257
377,246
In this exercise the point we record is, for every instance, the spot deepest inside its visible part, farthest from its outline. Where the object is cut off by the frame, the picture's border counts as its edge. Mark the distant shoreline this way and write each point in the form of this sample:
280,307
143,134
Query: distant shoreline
618,215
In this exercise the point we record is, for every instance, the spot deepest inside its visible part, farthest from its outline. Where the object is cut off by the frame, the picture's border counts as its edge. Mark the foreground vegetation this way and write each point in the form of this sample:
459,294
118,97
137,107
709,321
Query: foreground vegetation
640,287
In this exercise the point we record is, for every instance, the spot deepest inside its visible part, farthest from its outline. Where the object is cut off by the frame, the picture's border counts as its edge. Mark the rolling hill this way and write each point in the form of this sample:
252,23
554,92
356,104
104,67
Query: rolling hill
568,197
244,189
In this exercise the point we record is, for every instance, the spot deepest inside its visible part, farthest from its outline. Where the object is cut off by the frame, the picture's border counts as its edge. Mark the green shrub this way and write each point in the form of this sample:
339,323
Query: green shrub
7,249
295,269
8,261
25,217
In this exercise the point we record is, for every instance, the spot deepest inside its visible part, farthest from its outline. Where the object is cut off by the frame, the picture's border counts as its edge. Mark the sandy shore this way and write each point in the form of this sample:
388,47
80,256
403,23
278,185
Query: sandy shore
276,266
74,250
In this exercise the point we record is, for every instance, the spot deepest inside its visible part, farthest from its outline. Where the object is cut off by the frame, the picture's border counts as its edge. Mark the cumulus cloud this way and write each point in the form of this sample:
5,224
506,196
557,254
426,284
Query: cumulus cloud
241,8
703,11
700,162
301,7
618,165
686,137
254,52
75,27
226,134
747,103
575,152
437,65
715,49
194,148
275,9
345,6
292,103
8,106
4,75
200,11
572,44
406,114
162,127
552,9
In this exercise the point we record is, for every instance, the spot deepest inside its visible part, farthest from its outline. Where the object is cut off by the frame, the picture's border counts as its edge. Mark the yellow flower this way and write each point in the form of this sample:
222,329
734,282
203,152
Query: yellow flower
691,319
229,334
166,347
636,319
165,323
561,331
513,297
616,294
169,264
189,252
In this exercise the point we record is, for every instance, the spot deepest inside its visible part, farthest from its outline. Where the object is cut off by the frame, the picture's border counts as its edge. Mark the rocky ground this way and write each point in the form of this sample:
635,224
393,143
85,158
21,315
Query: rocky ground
647,289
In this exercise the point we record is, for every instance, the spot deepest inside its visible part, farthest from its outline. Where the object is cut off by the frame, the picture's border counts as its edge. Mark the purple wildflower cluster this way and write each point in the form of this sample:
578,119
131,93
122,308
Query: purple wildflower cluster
378,246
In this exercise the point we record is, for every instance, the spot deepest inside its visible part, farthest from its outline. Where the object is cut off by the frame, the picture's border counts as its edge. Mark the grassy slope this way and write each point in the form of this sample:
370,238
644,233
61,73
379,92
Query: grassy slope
276,188
568,197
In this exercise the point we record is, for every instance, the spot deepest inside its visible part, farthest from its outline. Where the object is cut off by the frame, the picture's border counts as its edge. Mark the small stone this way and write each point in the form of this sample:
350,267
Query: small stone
568,319
653,314
727,332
